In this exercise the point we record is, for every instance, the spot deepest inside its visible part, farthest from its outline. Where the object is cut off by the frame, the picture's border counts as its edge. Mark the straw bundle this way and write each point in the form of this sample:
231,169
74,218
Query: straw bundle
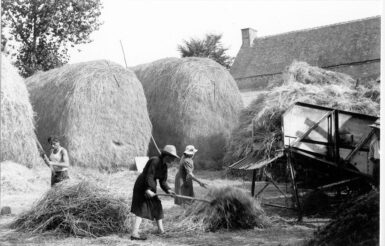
230,208
18,140
355,223
191,101
82,209
98,109
301,83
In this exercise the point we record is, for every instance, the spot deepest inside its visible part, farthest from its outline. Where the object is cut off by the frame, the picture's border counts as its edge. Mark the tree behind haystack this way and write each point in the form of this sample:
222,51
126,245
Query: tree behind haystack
97,108
191,101
18,139
301,82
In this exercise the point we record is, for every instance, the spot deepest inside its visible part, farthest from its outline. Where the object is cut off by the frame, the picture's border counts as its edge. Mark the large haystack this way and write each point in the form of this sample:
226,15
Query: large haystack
191,101
97,108
303,83
18,139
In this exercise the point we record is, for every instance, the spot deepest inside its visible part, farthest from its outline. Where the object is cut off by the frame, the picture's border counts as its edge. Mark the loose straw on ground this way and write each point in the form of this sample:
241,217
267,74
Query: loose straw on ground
81,209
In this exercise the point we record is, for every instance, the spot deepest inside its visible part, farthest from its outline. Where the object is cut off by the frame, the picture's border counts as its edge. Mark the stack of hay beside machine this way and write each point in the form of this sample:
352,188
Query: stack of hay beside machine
315,118
18,139
98,109
259,132
191,101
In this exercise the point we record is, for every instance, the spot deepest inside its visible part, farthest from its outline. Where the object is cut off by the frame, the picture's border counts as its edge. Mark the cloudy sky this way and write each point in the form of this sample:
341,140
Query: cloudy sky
151,30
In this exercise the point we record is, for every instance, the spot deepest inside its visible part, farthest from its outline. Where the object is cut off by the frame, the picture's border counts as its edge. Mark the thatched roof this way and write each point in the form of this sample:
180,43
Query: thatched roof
18,140
98,109
303,83
191,101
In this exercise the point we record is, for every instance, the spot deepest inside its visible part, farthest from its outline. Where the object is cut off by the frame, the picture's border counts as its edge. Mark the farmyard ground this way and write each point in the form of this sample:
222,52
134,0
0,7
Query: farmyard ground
284,230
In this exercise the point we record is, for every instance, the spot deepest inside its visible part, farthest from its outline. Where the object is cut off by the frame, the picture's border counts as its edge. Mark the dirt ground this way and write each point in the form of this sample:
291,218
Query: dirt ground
285,230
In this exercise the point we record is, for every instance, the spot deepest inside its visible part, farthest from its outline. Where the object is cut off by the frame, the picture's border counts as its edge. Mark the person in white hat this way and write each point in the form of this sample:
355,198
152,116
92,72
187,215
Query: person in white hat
374,151
145,202
185,177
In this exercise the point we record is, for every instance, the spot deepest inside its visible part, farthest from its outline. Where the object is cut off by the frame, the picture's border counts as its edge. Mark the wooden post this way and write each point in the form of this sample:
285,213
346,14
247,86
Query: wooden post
336,147
253,183
124,55
336,139
330,150
294,184
252,148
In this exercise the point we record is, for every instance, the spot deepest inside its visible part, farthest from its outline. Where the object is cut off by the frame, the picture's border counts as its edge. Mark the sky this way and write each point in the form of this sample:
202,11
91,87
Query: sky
152,30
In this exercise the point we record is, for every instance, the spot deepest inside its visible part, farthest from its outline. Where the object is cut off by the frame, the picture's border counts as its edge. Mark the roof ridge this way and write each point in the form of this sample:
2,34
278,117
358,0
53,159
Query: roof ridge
318,27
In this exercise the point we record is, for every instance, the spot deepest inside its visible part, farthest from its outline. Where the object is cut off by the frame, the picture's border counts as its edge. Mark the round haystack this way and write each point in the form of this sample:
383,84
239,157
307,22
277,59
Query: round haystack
191,101
97,108
301,83
18,139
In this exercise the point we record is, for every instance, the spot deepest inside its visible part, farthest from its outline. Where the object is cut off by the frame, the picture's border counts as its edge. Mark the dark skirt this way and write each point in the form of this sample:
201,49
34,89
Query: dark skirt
57,177
184,189
148,208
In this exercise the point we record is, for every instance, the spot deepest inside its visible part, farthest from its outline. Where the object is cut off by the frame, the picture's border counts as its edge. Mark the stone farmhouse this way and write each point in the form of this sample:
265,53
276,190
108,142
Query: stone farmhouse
352,47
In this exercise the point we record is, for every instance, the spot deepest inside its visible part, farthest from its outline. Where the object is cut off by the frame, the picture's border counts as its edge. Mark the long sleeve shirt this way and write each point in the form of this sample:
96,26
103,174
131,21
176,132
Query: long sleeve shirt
156,169
186,168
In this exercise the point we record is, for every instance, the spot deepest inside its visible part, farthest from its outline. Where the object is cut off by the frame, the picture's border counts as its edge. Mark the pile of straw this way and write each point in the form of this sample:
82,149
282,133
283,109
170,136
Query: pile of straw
18,140
97,108
301,82
191,101
355,223
230,209
17,178
82,209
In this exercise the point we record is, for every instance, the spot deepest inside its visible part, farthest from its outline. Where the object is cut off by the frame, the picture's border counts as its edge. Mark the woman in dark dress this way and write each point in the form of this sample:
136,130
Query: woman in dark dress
145,203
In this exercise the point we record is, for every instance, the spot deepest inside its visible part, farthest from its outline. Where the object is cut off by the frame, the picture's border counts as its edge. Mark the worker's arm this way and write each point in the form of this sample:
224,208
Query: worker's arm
189,167
191,176
64,163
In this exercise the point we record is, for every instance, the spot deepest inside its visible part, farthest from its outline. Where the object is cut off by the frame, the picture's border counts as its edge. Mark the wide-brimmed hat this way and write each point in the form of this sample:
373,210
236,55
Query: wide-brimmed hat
190,150
170,150
376,124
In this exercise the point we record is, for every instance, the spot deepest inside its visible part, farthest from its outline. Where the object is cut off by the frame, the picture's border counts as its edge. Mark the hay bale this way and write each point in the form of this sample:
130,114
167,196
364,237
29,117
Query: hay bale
191,101
81,209
230,209
18,139
355,223
98,109
301,82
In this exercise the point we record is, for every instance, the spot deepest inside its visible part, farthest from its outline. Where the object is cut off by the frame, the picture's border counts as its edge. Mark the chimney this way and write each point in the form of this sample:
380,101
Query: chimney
248,36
